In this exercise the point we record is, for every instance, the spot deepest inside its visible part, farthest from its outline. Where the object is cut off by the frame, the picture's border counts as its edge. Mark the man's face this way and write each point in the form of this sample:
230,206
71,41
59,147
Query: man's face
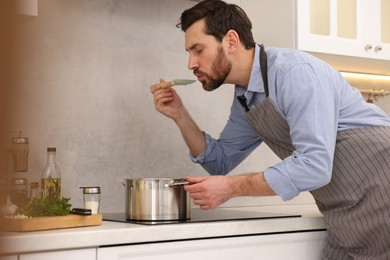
207,58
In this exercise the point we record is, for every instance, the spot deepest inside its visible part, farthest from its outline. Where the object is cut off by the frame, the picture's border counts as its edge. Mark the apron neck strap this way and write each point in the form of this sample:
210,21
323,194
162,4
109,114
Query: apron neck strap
263,68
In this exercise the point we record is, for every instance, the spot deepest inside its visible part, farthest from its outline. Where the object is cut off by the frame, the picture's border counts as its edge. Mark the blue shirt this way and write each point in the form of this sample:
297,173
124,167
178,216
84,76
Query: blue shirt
316,101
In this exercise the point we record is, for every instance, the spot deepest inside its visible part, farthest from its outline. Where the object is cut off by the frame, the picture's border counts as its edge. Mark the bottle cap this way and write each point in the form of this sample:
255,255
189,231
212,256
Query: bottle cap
51,149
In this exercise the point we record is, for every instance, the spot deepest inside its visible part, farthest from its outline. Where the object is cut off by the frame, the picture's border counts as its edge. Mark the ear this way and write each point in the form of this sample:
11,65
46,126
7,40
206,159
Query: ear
233,40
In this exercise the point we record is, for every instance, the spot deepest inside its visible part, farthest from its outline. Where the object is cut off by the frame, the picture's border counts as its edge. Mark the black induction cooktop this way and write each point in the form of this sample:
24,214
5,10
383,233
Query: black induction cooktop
199,215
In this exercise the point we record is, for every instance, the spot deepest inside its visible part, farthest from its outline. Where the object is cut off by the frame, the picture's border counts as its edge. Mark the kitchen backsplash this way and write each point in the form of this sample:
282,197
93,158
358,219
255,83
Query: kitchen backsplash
86,69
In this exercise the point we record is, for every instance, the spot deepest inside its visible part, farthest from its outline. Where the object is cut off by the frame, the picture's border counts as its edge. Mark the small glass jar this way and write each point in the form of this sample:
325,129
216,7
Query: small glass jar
91,197
20,154
34,190
19,190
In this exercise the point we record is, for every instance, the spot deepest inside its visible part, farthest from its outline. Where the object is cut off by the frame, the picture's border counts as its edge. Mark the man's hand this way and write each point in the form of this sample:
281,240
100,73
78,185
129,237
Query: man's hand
209,192
167,101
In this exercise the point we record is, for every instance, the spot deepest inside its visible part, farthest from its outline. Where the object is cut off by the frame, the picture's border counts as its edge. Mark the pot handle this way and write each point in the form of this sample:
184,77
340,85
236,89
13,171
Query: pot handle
174,184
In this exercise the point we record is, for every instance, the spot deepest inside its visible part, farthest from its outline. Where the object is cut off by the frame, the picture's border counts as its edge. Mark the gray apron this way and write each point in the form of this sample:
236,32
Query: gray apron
356,202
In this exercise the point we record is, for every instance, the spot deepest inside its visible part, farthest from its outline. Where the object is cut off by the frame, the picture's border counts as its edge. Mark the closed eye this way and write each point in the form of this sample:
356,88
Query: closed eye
196,48
199,50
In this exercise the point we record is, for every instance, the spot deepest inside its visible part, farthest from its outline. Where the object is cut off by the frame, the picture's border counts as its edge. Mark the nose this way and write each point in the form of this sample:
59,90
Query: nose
192,63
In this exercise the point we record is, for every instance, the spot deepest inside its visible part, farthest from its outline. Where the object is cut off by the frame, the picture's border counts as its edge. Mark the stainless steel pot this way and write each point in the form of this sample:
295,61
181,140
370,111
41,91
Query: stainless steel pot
157,199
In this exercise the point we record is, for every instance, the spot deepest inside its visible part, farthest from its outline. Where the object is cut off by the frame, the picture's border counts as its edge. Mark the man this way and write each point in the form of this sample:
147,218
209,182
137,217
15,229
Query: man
331,142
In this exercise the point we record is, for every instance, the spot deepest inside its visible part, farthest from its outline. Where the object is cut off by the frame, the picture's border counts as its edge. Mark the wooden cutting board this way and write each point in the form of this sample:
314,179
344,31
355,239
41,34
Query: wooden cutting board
47,223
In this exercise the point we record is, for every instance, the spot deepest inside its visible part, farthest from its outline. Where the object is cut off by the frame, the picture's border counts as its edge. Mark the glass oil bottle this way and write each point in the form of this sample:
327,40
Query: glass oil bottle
51,176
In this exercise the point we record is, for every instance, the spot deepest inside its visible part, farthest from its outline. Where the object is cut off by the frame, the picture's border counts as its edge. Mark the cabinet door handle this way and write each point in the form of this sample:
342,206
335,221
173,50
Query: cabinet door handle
368,47
378,48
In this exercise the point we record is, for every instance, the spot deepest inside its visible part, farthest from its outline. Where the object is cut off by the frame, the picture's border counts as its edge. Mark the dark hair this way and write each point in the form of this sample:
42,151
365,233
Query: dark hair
220,17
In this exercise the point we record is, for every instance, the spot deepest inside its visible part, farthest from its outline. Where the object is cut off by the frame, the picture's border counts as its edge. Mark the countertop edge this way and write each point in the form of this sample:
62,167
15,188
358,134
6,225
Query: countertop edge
114,233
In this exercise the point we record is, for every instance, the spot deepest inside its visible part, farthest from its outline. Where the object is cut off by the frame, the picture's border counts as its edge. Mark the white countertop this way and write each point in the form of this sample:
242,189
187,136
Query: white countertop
115,233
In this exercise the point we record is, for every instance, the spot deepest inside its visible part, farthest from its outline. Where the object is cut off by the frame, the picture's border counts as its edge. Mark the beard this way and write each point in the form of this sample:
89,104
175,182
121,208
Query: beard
220,69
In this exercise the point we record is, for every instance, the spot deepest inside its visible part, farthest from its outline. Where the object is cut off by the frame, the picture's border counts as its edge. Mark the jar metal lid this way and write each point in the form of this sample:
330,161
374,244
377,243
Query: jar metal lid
34,184
19,181
20,140
91,190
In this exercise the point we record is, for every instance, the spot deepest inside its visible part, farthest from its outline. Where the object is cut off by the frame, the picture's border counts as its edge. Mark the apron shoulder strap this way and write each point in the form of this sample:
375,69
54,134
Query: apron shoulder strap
263,68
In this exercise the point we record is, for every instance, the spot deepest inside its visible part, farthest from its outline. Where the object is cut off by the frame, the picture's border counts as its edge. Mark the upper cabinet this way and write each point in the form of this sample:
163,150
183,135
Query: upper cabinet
358,28
351,35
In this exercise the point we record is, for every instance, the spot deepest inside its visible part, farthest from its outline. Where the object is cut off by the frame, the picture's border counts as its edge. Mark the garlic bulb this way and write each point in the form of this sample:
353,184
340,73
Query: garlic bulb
8,209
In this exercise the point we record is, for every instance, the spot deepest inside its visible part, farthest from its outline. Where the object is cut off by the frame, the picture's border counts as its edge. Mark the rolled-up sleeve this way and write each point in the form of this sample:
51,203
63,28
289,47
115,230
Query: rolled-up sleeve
208,152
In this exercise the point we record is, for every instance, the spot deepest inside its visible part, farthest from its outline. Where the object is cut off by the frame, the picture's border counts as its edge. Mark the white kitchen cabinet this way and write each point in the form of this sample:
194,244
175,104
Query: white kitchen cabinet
77,254
359,28
351,35
292,246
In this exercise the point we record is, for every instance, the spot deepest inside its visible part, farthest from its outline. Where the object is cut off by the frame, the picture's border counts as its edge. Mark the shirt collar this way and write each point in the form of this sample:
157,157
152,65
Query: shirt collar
255,81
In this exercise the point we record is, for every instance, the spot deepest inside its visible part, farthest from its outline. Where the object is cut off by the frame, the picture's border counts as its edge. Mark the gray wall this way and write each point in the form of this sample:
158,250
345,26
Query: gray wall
86,67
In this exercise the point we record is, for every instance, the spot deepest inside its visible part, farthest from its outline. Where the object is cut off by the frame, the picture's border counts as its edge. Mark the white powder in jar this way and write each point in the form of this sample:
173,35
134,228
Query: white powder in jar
93,206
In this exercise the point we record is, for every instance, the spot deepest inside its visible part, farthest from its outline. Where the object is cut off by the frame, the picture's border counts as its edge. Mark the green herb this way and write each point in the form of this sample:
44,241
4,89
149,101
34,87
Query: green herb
49,206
